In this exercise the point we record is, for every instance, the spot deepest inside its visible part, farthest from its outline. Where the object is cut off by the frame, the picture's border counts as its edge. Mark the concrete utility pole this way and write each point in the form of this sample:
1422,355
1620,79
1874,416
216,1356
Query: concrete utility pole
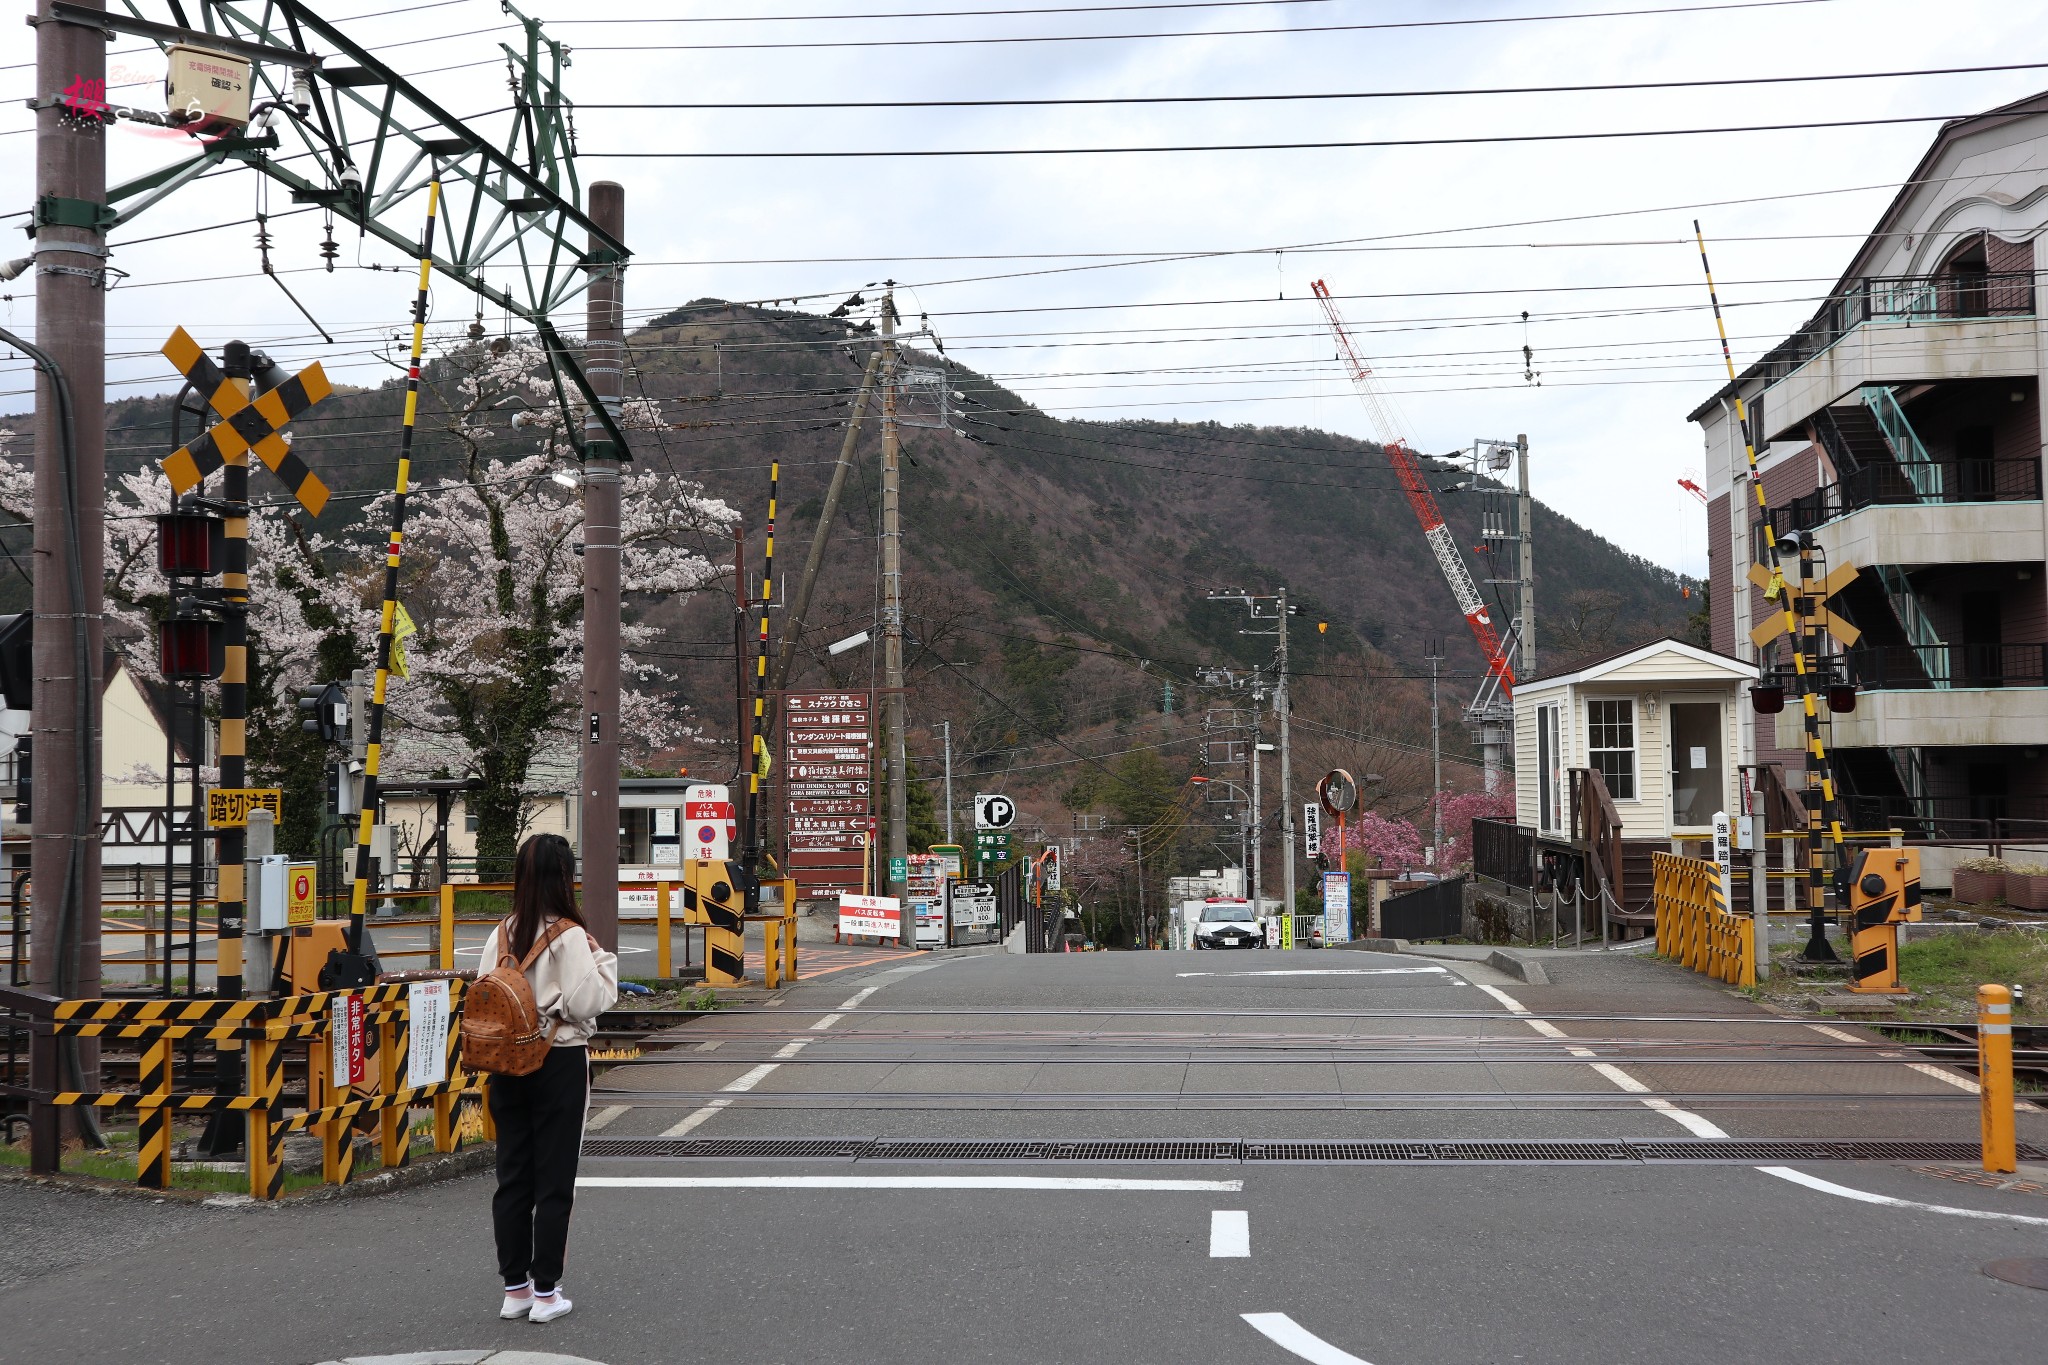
892,626
947,727
1280,705
1525,664
604,360
1258,823
70,482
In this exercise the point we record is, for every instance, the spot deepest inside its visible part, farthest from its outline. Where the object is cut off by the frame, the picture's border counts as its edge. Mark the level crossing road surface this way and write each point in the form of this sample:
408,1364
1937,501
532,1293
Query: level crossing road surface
687,1251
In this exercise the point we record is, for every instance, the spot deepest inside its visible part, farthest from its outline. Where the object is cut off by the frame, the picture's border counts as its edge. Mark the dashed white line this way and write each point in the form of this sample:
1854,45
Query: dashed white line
902,1182
1691,1122
760,1073
1924,1068
1230,1232
604,1116
1291,1336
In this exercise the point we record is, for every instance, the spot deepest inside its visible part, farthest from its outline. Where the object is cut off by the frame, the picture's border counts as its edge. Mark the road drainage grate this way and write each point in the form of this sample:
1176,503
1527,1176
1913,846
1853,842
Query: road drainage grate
1746,1151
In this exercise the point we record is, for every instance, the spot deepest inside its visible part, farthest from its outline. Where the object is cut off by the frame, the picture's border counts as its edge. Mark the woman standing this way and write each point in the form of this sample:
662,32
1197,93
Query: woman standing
540,1116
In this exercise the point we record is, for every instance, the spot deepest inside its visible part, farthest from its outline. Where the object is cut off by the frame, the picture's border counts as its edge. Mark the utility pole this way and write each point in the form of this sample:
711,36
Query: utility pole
1525,662
1280,705
1258,823
604,359
947,727
892,627
1433,650
70,476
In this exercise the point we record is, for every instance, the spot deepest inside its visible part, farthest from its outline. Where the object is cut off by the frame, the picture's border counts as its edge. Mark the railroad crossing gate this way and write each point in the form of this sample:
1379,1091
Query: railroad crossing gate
245,425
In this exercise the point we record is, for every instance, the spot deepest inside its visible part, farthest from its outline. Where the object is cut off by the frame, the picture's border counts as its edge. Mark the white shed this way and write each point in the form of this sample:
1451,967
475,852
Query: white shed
1658,723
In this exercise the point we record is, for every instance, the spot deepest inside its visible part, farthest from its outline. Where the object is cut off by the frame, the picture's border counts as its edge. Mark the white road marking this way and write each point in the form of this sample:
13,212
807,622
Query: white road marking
761,1072
1814,1182
604,1117
1685,1118
1924,1068
710,1045
1292,1337
902,1182
1835,1033
1230,1232
1327,971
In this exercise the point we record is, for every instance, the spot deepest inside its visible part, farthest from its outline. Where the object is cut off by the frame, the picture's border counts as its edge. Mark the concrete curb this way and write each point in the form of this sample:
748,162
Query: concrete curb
1515,965
1375,945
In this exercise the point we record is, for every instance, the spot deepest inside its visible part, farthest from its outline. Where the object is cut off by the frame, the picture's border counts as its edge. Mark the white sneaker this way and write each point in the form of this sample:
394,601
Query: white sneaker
548,1307
516,1305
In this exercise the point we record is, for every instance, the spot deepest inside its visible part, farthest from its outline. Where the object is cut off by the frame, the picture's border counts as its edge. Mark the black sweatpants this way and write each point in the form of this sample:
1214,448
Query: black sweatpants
540,1135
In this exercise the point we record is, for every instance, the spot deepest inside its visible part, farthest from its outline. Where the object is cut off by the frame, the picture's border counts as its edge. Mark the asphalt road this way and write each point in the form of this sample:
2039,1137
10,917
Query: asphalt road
861,1261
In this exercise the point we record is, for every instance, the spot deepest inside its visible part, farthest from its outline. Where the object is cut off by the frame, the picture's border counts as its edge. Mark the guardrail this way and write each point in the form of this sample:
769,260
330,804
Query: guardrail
266,1029
1694,926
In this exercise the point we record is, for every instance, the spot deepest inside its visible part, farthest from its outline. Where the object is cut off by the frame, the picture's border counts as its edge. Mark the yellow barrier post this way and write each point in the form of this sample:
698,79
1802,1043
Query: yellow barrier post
771,953
326,1090
265,1140
153,1117
447,933
664,951
392,1036
1994,1077
789,929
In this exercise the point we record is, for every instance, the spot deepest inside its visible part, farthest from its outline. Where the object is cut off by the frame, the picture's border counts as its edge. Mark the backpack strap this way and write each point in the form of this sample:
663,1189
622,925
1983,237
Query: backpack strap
543,942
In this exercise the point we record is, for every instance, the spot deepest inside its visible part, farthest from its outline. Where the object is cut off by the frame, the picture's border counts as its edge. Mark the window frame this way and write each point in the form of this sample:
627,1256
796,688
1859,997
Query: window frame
1552,804
1634,750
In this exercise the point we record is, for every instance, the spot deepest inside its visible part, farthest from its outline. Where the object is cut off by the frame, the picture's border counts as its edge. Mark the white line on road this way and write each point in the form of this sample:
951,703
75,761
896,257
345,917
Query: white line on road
1924,1068
1327,971
1291,1336
1814,1182
604,1116
902,1182
1685,1118
1230,1232
761,1072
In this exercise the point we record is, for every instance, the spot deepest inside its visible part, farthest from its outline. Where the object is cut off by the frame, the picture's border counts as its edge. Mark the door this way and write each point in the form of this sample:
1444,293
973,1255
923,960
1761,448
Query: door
1699,764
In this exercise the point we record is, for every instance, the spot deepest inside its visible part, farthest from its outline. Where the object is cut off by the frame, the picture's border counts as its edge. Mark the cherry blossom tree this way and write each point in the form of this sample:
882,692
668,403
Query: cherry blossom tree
491,579
1388,841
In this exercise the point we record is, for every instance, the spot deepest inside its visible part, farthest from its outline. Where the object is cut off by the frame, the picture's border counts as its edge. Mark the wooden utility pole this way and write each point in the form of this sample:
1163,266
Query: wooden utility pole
1525,659
892,630
604,360
70,481
1283,707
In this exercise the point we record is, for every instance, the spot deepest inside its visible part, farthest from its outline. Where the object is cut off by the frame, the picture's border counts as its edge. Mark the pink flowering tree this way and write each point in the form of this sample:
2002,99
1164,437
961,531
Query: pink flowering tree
1460,809
1387,841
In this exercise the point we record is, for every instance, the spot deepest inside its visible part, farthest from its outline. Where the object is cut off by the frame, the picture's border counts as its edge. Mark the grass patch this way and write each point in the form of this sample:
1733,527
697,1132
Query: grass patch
1948,968
117,1163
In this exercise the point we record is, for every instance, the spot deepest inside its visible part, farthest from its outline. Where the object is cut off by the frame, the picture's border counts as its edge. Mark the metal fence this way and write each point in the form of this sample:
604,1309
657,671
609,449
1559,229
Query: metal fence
1436,911
1504,851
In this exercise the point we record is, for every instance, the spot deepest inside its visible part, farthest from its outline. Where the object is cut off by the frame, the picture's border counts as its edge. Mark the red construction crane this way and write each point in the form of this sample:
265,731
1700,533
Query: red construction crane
1421,499
1691,484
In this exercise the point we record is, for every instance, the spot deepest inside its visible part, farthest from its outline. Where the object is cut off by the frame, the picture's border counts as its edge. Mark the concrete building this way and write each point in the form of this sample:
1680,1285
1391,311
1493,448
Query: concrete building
1902,426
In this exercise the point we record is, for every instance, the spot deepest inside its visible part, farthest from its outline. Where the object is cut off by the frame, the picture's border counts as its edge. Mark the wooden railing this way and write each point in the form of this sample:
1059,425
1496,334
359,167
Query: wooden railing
1596,832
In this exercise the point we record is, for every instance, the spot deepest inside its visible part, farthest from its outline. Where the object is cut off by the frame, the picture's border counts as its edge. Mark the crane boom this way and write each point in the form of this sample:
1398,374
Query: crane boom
1409,472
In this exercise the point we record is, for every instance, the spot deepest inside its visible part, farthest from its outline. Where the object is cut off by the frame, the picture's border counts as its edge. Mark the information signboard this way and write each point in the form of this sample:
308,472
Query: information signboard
825,788
869,916
1336,907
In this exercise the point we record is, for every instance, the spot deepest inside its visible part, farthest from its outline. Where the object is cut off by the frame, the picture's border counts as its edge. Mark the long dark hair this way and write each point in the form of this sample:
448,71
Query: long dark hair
543,887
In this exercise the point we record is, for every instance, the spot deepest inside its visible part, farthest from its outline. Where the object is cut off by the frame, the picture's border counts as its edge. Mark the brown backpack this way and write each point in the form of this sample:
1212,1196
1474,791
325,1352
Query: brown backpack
502,1030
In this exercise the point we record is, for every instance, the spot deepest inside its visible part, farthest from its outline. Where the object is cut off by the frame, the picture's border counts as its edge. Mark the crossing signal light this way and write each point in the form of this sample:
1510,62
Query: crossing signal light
189,648
190,545
327,708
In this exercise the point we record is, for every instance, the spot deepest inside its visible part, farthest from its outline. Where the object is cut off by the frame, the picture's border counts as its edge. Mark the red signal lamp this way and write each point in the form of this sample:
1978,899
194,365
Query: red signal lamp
1842,698
190,545
185,649
1767,700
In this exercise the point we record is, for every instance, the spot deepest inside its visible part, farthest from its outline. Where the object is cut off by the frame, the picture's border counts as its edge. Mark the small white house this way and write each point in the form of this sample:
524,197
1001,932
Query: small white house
1657,722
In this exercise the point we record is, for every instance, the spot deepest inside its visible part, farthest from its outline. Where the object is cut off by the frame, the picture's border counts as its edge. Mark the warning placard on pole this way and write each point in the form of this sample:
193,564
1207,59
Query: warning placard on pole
301,894
229,807
426,1060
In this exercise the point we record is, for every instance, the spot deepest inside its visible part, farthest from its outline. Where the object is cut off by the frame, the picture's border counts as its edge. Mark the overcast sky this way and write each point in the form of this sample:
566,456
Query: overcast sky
1618,325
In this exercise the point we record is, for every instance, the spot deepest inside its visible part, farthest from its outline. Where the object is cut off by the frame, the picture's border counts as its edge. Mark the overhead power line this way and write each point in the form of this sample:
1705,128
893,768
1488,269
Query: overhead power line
1039,38
1442,93
1485,139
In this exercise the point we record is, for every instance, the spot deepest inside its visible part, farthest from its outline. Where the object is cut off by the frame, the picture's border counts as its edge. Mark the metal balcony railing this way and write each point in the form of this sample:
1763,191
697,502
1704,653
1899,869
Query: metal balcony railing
1959,481
1927,298
1891,668
1990,818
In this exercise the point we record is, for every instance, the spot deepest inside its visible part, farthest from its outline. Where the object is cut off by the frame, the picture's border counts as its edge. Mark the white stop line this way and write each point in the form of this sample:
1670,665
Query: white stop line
1328,971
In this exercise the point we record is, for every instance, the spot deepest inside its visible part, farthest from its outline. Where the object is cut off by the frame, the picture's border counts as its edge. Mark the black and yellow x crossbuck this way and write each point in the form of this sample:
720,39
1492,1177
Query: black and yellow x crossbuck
245,425
1810,602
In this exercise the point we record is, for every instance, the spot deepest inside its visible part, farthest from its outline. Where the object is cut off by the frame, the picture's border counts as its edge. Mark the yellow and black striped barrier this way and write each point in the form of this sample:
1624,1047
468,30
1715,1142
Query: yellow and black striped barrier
1694,926
713,897
271,1029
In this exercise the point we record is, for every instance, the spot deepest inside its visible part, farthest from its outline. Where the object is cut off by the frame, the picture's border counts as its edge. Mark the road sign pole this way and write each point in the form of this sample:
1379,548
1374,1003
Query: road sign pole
70,474
604,356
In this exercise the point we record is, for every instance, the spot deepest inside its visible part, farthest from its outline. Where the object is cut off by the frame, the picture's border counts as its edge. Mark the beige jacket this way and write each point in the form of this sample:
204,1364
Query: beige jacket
570,983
